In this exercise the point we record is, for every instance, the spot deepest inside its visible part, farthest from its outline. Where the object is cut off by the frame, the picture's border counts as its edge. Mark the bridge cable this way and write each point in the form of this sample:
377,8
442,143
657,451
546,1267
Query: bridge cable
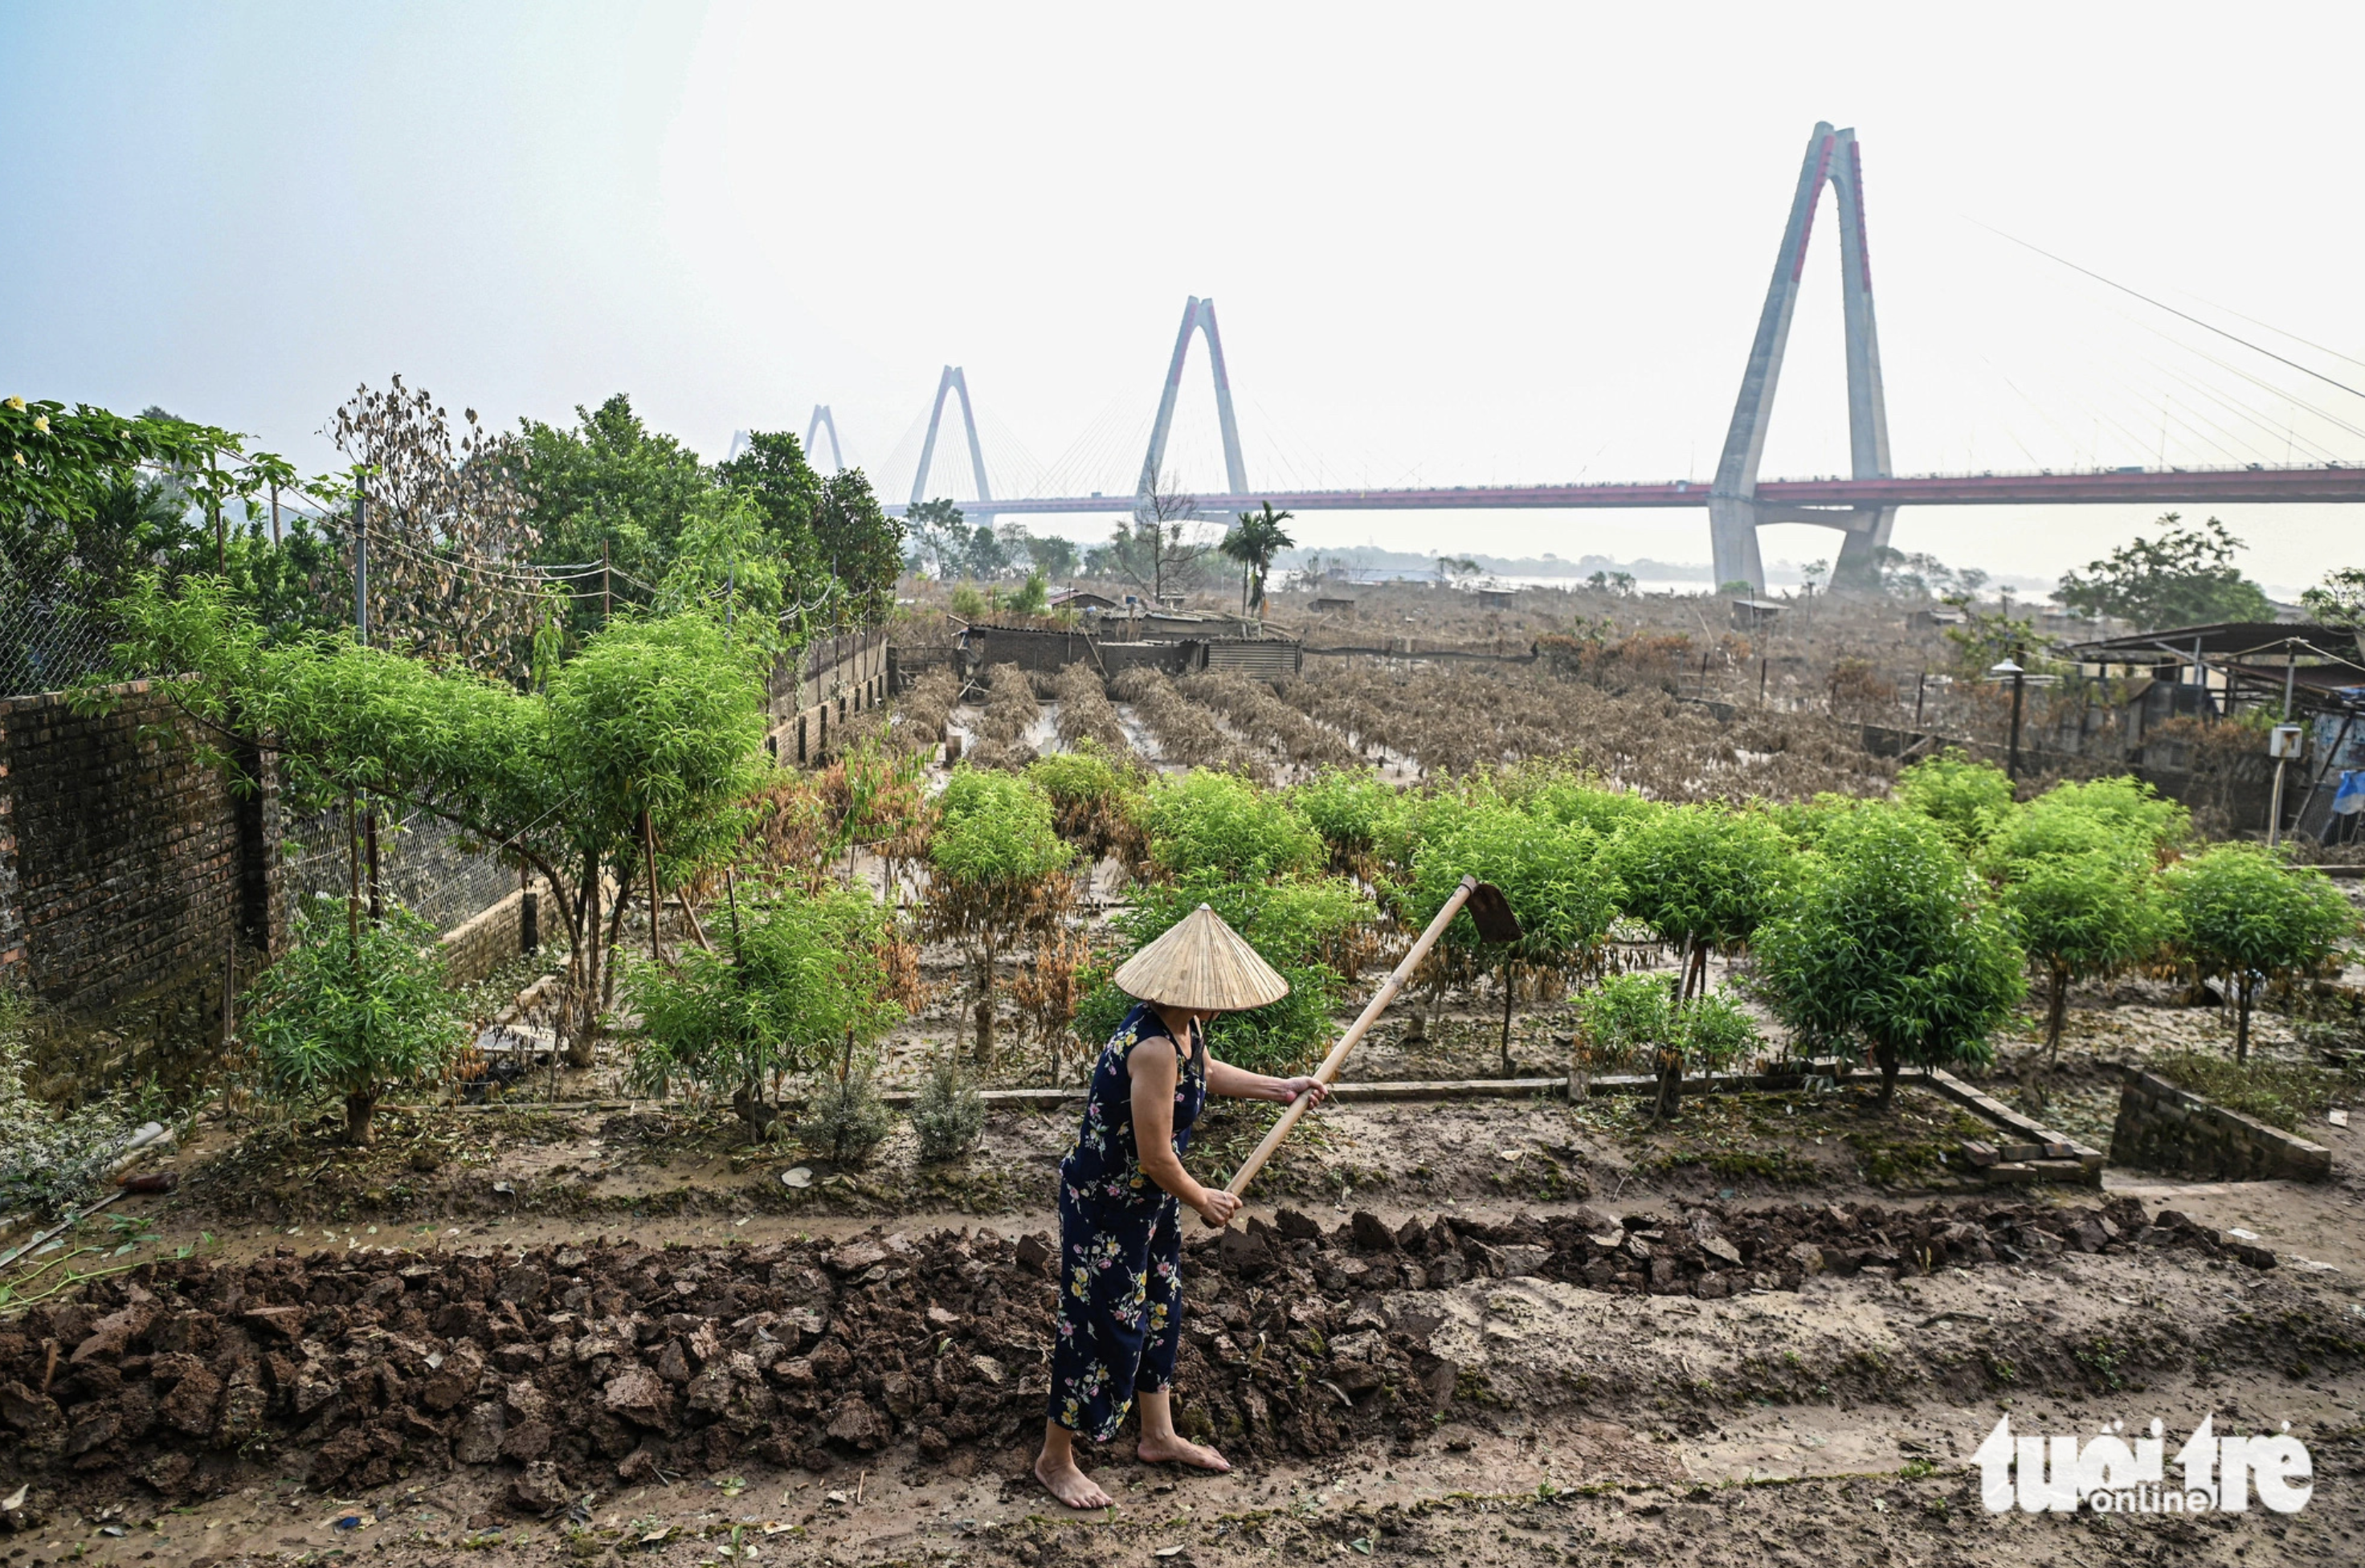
2172,311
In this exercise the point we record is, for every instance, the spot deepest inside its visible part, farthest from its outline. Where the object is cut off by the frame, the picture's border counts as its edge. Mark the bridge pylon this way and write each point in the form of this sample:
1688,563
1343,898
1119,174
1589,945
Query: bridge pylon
1198,316
823,420
1735,512
951,381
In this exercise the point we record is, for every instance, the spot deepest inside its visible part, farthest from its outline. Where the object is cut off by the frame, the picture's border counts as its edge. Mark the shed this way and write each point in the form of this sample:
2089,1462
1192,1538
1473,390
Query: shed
1334,607
1494,599
1749,612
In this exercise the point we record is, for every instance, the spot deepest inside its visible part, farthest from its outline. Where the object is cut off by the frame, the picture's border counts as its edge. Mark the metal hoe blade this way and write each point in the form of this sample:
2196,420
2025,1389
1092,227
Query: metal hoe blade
1491,911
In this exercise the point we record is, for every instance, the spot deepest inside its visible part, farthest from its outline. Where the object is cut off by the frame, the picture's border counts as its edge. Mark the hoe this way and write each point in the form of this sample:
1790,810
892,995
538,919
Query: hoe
1492,914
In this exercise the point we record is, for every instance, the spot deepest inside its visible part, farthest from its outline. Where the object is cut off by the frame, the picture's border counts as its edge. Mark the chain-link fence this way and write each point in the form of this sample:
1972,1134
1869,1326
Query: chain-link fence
423,865
52,632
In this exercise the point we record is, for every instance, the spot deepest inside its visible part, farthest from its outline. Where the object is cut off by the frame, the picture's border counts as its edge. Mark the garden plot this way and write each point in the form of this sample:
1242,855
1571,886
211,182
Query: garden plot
874,1392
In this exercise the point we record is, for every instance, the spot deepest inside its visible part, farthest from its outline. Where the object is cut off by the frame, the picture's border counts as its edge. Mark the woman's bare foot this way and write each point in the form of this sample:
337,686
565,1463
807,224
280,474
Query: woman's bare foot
1068,1482
1173,1449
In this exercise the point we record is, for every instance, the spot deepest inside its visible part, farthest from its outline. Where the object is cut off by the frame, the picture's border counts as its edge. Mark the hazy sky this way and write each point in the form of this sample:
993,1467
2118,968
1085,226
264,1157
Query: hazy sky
1448,244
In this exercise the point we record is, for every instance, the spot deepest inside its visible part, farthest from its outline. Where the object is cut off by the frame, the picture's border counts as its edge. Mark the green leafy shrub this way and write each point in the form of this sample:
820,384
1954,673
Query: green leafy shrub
1703,877
2125,805
1575,799
2245,912
797,974
997,870
1095,800
949,1112
844,1119
1967,798
1351,808
1892,948
1206,820
1551,873
2074,871
1291,925
354,1008
1635,1020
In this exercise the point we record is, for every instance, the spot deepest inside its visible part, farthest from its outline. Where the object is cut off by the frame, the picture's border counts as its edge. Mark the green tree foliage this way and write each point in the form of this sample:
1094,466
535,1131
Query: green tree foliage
1253,543
2123,805
655,728
1703,877
1052,555
1892,948
90,499
2076,869
2243,911
351,1013
860,543
2081,915
661,727
1210,820
1966,798
1564,795
1636,1020
2339,599
799,972
609,480
937,538
1095,800
998,870
2185,577
1352,810
1555,877
1294,925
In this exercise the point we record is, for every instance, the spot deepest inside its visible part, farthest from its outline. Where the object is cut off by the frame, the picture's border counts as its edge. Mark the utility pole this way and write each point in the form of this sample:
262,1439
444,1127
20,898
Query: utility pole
607,600
360,568
2011,667
213,503
362,627
2285,742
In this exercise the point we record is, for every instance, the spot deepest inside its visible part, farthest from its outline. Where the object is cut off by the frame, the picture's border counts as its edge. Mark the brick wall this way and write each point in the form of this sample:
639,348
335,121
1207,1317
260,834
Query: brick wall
483,942
2162,1127
129,874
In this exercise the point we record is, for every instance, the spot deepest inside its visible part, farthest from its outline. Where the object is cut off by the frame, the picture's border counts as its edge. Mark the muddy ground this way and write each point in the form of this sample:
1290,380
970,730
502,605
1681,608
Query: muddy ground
1581,1381
1496,1330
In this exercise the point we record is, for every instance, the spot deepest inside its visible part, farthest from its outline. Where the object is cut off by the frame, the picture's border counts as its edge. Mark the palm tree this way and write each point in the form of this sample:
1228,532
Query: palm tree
1258,538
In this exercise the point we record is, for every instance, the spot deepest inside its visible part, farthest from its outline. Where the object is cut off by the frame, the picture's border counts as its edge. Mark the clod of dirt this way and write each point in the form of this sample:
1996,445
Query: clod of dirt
586,1366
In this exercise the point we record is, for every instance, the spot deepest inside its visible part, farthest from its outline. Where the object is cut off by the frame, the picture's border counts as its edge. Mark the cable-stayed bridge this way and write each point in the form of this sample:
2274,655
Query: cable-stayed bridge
1862,507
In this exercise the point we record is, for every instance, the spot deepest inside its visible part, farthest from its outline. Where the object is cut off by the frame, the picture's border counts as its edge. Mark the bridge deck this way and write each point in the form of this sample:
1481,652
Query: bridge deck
2149,487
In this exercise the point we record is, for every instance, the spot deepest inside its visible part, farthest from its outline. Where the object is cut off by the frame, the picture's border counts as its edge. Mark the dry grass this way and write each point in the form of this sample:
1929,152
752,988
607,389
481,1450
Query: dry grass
1456,719
1011,710
1186,732
918,721
1086,712
1255,711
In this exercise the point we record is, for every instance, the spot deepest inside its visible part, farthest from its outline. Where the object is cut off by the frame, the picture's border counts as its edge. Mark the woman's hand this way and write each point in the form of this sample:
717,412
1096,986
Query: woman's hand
1289,1089
1216,1206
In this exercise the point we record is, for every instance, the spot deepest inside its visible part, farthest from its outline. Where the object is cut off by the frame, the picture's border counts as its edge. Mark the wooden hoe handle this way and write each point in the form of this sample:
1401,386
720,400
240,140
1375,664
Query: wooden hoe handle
1328,1070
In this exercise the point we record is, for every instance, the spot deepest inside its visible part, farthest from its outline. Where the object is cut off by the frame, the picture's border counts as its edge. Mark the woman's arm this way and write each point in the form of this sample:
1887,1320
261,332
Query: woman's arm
1239,1083
1152,1069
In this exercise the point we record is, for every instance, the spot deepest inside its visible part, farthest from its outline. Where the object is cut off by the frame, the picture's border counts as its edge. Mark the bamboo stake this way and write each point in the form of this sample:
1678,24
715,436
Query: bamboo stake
1328,1070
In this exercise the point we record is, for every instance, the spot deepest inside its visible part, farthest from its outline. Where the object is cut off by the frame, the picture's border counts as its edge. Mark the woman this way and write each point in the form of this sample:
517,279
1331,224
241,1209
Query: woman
1122,1189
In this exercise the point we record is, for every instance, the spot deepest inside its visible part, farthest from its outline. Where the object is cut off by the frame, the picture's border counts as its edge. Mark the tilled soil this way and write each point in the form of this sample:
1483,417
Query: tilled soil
580,1367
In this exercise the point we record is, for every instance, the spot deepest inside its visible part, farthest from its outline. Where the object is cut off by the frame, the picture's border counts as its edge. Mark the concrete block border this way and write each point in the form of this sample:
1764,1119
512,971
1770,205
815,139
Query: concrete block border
2162,1126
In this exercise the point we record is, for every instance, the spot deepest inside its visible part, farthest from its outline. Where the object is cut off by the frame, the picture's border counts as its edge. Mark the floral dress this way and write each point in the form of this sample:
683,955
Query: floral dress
1120,1243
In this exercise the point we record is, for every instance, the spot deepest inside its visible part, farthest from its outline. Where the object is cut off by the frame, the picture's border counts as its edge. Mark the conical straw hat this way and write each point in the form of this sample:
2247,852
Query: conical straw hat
1202,964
